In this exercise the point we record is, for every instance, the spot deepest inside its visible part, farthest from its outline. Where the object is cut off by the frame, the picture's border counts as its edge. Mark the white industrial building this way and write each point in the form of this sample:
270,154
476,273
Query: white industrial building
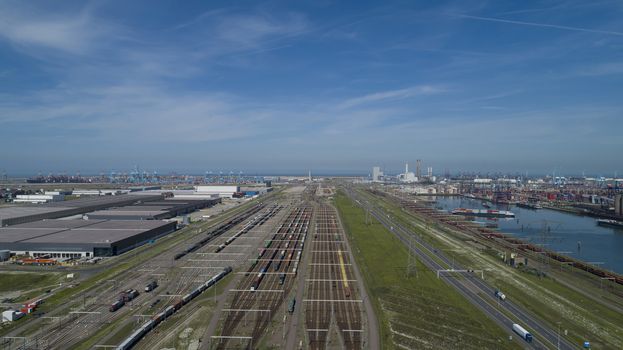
408,177
377,174
38,198
183,194
221,191
11,315
101,192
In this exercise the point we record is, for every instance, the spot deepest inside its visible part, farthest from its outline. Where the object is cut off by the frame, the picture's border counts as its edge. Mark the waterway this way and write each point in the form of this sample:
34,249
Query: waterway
576,236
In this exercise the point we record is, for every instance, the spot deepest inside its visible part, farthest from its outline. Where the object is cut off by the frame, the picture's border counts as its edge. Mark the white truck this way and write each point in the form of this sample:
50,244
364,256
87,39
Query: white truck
524,334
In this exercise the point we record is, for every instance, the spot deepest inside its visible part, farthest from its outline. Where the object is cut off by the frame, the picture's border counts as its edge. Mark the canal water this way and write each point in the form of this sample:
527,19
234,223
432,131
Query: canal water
576,236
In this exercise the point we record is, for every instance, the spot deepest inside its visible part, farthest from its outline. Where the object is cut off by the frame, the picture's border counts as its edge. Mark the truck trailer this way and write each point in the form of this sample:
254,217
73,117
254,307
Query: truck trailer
524,334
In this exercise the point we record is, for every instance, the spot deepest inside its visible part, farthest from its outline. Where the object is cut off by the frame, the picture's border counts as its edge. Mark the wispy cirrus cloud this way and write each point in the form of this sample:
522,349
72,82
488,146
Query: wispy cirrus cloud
251,30
335,84
391,95
73,33
599,69
541,25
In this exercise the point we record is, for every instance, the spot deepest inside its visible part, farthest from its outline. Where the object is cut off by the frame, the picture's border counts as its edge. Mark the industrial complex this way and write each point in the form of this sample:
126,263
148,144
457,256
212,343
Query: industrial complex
97,223
303,268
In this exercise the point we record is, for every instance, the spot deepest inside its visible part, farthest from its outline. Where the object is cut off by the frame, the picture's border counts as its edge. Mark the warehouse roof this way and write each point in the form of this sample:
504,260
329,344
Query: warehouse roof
81,235
76,231
66,208
17,211
19,235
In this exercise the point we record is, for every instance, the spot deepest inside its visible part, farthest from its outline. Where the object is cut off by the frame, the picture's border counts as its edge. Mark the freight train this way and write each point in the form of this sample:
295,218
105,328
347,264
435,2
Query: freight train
256,221
218,231
138,334
490,234
258,279
124,297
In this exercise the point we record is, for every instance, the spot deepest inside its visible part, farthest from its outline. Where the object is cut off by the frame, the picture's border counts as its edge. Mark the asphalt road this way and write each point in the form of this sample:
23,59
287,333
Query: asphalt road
474,289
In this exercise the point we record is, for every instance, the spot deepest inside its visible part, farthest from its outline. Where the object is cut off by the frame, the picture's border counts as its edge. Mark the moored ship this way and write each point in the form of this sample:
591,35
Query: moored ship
528,205
484,213
610,223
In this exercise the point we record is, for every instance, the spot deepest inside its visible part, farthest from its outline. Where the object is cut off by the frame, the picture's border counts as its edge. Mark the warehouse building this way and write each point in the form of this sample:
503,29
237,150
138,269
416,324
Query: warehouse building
80,238
29,213
221,191
181,194
38,198
153,210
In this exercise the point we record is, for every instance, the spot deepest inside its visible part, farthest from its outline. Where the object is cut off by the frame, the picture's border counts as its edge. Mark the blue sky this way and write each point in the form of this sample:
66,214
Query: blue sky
322,85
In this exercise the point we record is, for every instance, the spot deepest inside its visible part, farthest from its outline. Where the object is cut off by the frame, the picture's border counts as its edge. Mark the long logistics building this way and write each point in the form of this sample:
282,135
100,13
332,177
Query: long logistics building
81,238
121,207
100,226
153,210
29,213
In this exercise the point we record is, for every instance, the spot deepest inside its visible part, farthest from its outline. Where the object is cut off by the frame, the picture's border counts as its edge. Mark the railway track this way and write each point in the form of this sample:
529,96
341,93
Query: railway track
236,258
333,298
262,291
174,278
474,289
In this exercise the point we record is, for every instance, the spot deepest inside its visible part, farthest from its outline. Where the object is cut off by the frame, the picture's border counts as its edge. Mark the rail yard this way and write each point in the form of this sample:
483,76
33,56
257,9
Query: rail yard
176,276
266,284
333,299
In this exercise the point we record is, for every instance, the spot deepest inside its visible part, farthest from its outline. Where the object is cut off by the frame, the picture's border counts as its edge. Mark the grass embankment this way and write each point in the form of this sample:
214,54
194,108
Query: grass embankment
27,281
580,316
414,312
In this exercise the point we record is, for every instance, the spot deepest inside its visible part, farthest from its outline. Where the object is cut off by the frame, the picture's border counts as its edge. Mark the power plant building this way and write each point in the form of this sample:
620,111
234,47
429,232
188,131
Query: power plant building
377,174
408,177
